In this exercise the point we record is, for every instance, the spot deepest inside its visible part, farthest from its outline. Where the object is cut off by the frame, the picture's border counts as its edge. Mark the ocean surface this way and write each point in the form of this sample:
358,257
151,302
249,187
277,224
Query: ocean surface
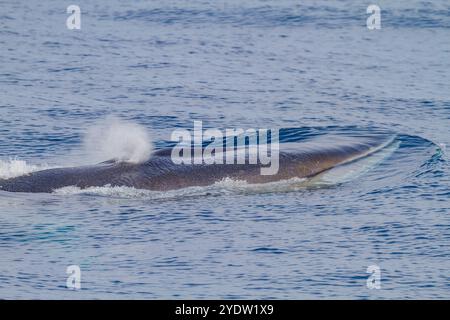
309,68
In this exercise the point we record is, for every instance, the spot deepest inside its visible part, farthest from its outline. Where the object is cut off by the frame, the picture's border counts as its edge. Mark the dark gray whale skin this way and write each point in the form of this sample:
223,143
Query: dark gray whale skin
304,159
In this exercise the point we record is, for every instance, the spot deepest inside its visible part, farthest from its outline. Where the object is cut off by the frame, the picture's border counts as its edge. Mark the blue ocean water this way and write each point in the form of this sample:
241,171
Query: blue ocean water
310,67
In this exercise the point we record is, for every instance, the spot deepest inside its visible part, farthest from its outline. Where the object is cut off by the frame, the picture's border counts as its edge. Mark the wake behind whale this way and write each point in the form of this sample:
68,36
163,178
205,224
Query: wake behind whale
159,173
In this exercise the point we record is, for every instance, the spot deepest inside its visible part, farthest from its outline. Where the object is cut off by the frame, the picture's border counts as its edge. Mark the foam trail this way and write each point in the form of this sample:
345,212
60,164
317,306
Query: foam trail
114,138
225,186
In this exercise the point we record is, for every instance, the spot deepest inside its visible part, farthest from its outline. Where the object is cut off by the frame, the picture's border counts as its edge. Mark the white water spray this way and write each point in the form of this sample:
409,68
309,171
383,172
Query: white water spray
117,139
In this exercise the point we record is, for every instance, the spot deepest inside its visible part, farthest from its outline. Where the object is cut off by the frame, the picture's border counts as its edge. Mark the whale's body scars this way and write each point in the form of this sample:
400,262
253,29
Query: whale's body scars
304,159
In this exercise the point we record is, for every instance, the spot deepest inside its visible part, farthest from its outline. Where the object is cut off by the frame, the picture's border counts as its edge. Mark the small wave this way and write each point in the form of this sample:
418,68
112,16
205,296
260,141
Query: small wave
14,168
442,150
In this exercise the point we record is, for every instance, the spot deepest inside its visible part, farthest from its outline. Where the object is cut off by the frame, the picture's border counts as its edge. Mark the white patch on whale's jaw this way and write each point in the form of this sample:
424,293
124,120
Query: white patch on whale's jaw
353,169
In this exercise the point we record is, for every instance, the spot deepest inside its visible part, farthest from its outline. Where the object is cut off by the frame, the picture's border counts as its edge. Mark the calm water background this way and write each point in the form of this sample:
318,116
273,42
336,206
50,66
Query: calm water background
311,65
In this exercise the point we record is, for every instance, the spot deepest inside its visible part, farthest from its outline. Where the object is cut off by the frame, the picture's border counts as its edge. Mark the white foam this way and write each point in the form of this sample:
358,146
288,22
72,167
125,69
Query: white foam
12,168
232,185
132,193
224,186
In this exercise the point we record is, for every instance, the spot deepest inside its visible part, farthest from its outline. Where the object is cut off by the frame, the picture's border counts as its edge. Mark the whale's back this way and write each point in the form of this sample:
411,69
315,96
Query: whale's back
301,159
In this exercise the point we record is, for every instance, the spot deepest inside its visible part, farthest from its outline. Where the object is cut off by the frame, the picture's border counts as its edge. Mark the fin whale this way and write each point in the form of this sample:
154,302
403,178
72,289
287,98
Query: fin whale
159,173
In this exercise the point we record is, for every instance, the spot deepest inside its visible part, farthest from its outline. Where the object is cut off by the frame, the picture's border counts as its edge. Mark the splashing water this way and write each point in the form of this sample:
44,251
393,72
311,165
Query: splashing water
14,167
117,139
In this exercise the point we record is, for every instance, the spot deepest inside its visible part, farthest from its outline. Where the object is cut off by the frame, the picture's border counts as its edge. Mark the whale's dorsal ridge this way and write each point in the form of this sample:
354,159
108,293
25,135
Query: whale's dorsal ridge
165,152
